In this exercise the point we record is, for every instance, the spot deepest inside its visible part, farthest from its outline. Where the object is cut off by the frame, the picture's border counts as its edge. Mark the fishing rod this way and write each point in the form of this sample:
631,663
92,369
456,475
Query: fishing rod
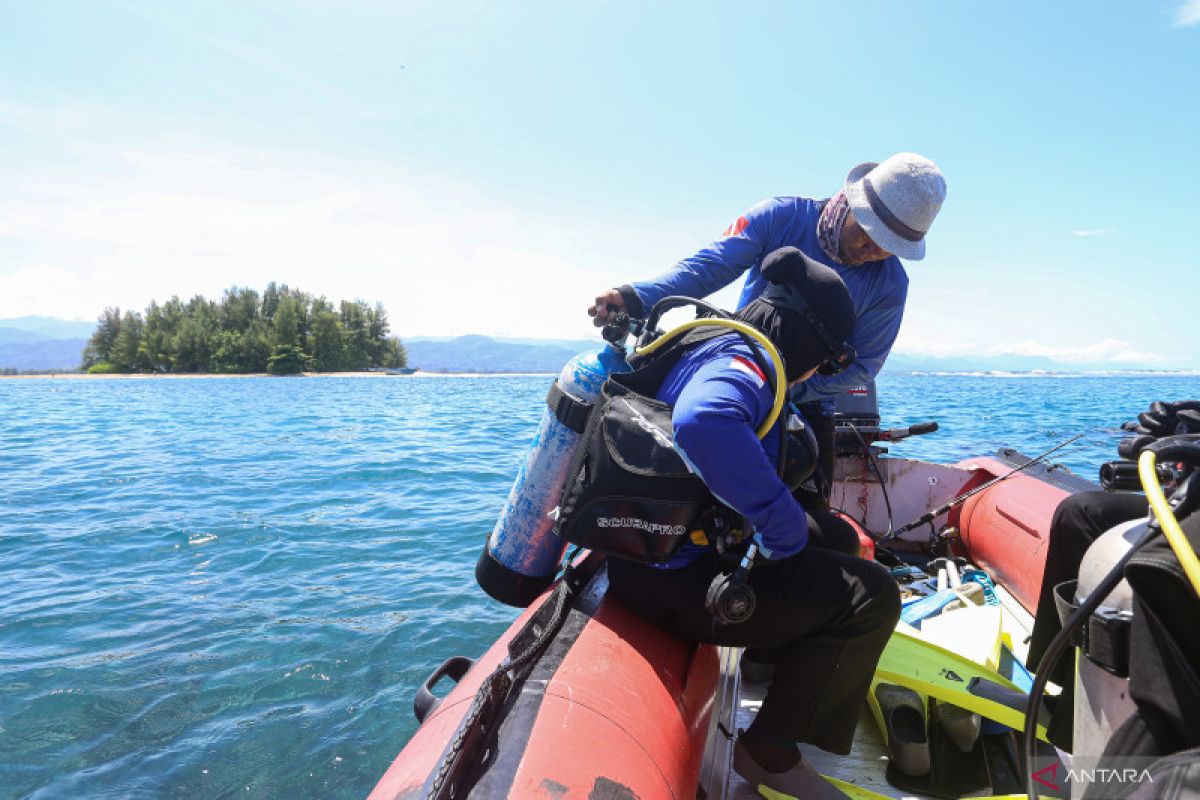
929,516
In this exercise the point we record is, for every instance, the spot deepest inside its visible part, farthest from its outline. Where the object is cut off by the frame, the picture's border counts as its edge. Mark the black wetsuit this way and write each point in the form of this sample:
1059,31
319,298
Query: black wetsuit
826,614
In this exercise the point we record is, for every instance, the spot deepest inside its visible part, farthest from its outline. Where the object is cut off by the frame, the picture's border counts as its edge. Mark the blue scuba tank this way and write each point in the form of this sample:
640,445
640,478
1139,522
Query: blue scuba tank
523,552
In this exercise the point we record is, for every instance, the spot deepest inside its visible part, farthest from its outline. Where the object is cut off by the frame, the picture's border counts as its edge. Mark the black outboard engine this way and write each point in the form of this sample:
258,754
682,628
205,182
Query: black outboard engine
857,406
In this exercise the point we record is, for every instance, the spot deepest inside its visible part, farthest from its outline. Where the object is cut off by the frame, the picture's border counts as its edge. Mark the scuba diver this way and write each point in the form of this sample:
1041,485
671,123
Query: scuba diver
825,614
881,215
1078,521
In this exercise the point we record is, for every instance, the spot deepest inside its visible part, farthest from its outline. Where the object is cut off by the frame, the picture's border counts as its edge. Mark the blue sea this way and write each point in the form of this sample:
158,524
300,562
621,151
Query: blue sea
233,587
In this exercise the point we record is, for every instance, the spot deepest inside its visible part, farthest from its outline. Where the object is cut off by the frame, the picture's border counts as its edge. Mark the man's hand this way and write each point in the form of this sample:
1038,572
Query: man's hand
607,304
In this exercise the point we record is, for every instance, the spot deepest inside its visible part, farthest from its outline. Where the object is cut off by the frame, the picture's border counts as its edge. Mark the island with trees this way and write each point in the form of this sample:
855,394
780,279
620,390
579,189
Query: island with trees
283,331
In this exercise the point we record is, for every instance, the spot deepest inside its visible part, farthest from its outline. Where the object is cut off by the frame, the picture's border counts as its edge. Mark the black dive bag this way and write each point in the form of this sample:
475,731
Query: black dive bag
628,492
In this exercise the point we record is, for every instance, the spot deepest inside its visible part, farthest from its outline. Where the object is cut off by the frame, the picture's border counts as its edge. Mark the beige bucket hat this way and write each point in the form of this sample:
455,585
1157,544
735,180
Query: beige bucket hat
896,201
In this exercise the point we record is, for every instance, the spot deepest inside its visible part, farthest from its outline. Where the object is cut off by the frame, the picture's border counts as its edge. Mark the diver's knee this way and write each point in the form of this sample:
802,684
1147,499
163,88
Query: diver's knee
880,591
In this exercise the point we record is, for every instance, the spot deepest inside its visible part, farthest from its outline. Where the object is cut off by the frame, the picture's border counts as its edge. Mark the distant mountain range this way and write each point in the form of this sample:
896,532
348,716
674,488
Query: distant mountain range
45,343
908,362
49,327
486,354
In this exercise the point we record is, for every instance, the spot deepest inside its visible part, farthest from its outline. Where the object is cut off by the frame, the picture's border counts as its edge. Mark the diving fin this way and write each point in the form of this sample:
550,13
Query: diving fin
900,714
939,673
854,791
1012,668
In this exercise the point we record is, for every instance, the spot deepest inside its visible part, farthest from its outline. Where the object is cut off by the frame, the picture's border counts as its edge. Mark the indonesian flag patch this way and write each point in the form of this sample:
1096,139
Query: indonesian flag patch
736,228
743,364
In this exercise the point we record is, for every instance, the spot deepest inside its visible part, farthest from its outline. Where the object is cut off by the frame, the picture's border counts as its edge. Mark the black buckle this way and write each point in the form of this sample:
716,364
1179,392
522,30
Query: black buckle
570,411
1106,640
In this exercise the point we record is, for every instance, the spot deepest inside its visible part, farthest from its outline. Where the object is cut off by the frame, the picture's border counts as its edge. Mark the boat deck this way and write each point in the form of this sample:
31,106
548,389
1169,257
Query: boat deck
865,766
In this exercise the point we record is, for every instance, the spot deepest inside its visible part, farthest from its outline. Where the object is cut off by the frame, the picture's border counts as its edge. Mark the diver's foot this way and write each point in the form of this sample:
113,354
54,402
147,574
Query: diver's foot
799,782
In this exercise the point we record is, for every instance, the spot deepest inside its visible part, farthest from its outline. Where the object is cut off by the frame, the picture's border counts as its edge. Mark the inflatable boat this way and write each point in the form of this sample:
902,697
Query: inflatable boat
581,698
612,707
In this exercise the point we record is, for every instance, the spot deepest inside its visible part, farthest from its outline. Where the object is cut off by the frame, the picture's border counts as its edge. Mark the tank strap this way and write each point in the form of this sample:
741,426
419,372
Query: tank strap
1106,640
570,411
1105,637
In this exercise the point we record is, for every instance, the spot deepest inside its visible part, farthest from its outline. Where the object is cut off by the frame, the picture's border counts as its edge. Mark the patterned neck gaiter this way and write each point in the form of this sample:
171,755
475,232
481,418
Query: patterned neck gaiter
829,225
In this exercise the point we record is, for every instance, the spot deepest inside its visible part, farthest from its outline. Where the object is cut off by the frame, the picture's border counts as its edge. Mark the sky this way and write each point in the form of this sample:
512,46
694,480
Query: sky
489,167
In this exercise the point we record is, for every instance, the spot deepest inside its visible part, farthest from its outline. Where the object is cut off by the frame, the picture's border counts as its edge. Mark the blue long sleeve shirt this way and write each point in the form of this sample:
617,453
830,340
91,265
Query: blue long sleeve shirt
720,397
879,289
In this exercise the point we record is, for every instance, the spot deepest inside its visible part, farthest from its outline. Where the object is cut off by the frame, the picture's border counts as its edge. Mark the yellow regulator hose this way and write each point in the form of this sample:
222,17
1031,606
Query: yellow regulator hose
753,333
1166,519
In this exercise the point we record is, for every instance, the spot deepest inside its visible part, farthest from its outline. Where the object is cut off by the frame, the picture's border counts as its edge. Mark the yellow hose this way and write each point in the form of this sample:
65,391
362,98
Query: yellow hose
753,333
1166,518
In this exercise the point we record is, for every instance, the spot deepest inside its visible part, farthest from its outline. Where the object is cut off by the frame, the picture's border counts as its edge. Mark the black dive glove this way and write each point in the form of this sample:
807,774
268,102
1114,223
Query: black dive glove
1161,420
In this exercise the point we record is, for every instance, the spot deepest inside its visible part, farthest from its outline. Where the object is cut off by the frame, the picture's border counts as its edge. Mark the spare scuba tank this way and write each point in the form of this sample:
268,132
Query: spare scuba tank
523,552
1102,701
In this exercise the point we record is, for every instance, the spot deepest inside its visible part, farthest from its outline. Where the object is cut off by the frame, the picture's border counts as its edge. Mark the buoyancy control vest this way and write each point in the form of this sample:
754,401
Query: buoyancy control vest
1164,674
1156,750
629,493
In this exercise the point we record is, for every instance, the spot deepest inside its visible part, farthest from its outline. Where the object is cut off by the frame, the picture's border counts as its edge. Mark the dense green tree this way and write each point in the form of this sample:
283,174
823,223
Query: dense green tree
284,331
99,347
239,309
155,347
227,352
192,347
287,359
356,346
270,300
256,347
125,355
394,354
287,322
327,342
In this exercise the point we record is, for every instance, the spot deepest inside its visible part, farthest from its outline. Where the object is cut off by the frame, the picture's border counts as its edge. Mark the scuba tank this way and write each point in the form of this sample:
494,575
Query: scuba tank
1102,701
1151,588
523,552
525,548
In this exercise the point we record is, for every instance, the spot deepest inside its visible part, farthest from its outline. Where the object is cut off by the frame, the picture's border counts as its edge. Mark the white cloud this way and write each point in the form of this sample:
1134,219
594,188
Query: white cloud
130,224
1107,351
1094,231
93,216
1187,14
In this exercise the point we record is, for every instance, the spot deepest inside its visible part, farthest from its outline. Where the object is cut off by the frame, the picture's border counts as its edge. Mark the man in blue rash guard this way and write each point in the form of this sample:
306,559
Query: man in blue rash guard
825,614
881,215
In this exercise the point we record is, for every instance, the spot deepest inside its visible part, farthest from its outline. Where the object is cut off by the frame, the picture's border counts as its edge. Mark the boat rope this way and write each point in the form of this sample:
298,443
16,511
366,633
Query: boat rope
929,516
479,721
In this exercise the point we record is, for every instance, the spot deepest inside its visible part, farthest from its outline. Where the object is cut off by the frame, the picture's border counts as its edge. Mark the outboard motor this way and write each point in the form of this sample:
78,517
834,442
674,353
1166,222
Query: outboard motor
523,551
1102,701
857,406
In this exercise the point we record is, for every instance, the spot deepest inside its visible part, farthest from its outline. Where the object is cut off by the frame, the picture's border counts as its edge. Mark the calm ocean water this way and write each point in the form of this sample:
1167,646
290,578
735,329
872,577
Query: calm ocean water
232,587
